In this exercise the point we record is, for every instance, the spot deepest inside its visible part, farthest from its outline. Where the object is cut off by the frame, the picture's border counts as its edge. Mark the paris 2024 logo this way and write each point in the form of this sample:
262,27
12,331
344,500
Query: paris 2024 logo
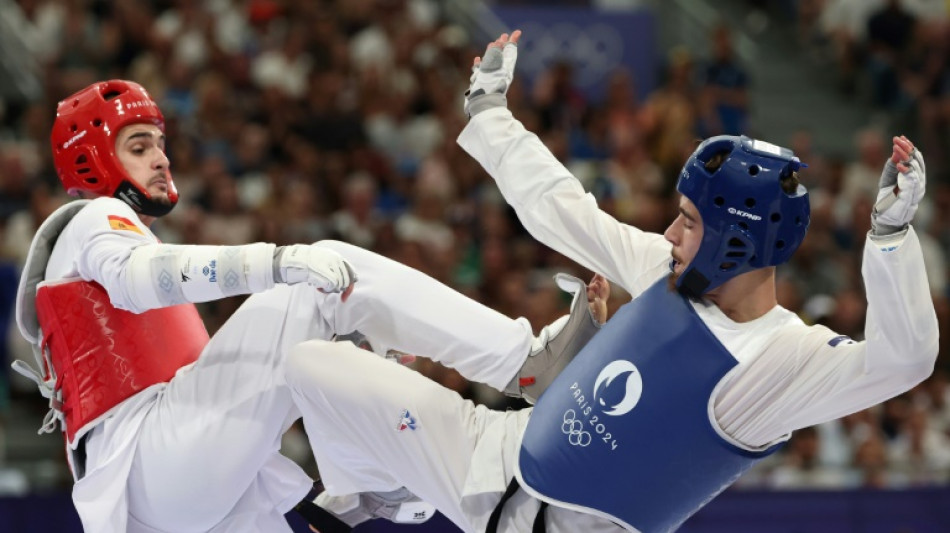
616,392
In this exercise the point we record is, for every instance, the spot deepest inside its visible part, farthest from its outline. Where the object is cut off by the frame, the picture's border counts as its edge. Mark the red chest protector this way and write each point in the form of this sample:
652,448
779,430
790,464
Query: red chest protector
101,355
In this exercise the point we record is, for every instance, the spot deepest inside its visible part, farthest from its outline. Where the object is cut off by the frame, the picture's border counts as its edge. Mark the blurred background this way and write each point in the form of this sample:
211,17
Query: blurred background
294,121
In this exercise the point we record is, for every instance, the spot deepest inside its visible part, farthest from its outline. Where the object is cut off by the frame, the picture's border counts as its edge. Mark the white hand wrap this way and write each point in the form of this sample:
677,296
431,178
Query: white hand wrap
491,79
893,212
321,267
161,275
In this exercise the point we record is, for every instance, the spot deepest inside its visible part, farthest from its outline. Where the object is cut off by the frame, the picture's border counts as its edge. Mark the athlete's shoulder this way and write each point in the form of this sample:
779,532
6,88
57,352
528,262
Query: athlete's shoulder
788,318
107,204
109,214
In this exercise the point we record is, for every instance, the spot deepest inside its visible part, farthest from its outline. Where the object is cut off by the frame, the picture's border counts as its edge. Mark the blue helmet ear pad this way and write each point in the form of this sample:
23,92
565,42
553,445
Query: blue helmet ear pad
749,221
732,257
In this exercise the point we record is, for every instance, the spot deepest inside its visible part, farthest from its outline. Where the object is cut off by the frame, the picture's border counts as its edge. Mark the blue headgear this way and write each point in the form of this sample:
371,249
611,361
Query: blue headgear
749,222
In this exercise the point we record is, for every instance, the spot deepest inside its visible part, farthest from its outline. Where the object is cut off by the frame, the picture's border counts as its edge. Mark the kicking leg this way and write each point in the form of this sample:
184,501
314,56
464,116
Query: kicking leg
402,309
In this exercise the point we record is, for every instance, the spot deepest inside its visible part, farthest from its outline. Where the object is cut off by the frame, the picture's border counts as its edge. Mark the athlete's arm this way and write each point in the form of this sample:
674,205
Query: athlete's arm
552,204
548,199
811,375
116,250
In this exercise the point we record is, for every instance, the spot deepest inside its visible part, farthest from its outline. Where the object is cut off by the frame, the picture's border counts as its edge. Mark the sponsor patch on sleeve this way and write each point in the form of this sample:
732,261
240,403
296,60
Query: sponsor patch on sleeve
122,223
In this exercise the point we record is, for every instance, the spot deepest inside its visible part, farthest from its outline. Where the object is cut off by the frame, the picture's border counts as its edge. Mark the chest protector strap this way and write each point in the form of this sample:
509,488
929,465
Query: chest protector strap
626,431
101,355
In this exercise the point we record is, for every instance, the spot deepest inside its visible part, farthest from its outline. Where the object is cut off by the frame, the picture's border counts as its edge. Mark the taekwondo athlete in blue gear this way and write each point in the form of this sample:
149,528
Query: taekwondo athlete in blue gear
703,372
691,388
637,444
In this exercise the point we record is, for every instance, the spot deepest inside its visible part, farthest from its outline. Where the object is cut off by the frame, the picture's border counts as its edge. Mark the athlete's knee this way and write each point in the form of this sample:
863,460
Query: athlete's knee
317,360
363,260
302,359
342,248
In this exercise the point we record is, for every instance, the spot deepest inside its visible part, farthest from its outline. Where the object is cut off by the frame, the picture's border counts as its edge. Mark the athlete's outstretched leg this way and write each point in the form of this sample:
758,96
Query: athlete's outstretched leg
403,309
400,308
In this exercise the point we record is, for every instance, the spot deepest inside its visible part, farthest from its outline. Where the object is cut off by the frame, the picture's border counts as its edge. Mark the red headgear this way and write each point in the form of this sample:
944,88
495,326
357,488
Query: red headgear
83,141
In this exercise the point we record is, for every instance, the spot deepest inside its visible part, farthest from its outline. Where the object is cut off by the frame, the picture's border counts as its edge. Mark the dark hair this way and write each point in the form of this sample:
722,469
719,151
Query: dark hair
789,183
716,161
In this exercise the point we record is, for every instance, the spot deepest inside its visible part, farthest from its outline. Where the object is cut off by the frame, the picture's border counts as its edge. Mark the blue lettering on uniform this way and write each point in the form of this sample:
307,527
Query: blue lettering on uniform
210,271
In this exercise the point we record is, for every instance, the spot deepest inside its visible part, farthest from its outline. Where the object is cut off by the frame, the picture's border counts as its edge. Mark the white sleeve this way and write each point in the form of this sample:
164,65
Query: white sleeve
554,208
114,249
810,375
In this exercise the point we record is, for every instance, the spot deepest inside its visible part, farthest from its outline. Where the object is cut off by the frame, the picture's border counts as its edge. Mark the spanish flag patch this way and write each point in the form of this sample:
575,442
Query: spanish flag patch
117,222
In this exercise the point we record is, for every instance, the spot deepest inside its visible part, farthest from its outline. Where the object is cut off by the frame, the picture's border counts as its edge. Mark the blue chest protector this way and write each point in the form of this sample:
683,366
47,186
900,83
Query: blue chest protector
625,432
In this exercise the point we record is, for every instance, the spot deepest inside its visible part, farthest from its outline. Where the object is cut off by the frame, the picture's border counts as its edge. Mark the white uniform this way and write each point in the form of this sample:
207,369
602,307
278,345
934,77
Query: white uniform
461,457
200,453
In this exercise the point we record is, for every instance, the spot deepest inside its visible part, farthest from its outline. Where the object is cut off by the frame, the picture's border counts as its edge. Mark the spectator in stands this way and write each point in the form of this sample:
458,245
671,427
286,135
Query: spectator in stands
890,31
727,86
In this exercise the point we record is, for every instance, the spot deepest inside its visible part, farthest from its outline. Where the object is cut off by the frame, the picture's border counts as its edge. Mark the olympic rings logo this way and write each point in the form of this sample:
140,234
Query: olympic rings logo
593,48
574,429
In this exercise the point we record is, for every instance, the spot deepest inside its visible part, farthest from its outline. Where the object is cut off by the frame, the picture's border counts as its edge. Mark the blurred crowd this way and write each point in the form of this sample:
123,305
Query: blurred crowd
893,53
292,122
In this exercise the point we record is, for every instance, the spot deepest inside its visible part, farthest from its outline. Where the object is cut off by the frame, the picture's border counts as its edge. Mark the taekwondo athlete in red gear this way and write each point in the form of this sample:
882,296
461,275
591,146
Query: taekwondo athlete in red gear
167,430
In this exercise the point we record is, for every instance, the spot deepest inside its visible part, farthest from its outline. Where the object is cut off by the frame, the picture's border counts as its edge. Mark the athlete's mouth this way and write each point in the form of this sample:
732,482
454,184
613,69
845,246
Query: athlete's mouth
161,181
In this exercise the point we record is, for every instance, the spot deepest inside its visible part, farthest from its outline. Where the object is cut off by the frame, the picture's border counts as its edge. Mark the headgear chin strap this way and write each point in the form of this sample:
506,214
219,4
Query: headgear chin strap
83,140
749,222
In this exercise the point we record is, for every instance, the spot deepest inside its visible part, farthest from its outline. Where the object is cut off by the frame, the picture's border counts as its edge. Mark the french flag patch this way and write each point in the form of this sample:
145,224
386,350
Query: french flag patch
840,339
406,421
